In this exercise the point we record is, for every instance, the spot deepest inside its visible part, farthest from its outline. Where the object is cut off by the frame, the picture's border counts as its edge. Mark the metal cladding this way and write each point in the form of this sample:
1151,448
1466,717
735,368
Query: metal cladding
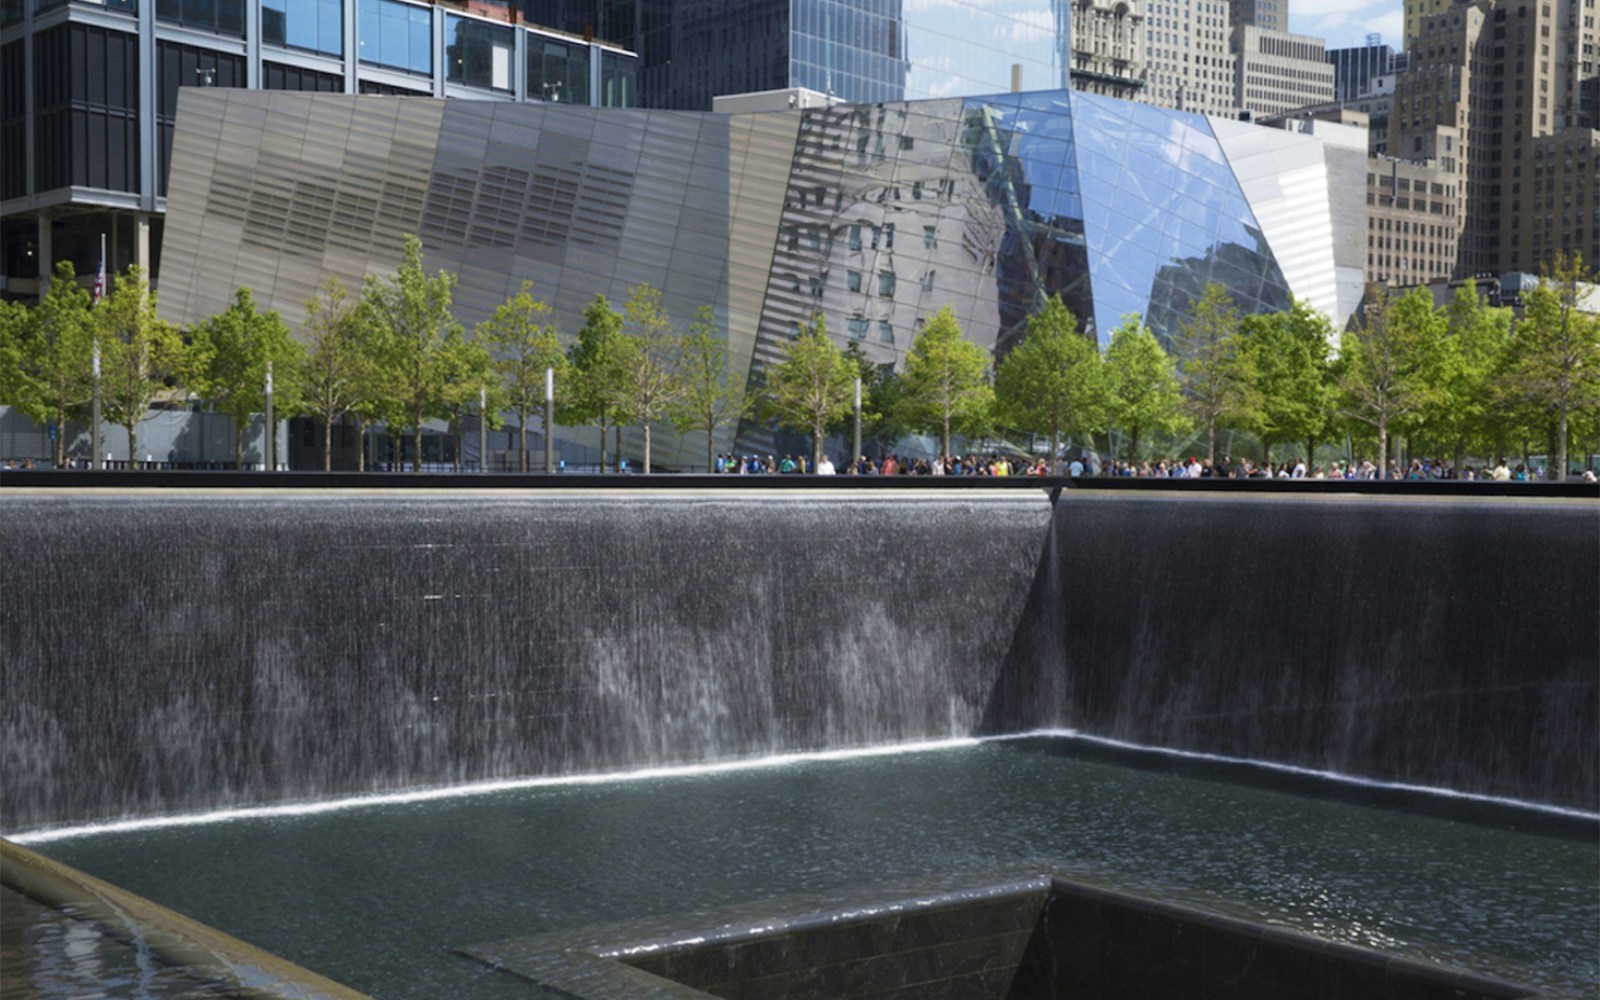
873,216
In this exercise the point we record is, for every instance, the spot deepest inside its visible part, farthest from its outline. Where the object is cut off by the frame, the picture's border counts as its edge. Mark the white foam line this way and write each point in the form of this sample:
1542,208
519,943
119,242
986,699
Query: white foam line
1348,779
484,788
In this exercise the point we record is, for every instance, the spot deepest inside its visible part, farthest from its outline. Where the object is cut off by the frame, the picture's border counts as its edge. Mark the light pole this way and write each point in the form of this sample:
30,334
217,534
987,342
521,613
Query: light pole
271,450
856,439
483,429
549,419
94,417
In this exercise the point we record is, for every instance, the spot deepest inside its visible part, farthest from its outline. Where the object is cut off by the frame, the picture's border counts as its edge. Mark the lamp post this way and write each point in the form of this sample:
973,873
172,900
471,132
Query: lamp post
549,420
271,450
94,417
483,429
856,439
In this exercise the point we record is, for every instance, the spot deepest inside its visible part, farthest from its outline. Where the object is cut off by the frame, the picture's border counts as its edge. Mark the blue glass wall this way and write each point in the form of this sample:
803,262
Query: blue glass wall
313,25
397,35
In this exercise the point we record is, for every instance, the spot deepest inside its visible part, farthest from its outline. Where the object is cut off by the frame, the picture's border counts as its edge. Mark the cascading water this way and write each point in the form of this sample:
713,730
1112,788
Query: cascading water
169,654
1443,642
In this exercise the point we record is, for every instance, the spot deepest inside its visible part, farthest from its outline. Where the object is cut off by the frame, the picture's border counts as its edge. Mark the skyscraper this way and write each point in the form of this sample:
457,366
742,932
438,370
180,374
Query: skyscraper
855,50
1187,62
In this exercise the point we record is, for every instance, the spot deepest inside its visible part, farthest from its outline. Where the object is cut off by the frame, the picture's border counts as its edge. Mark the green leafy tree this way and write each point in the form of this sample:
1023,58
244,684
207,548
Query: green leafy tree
649,361
1141,385
594,357
1053,383
1215,369
1388,360
47,356
522,336
1289,356
946,381
710,397
813,385
141,356
228,359
883,393
470,387
412,313
338,367
1553,361
1464,413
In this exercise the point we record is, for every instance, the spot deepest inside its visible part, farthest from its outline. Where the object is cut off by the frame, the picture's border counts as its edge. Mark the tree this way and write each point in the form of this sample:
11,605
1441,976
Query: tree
228,359
522,336
1141,384
1215,370
648,363
1289,356
594,359
813,385
1553,363
1475,344
412,313
1053,383
338,368
470,386
883,393
710,398
946,379
47,356
1386,361
140,355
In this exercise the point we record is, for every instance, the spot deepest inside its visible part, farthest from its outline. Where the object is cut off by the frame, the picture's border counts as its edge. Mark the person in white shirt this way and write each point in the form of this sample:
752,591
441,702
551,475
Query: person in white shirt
825,467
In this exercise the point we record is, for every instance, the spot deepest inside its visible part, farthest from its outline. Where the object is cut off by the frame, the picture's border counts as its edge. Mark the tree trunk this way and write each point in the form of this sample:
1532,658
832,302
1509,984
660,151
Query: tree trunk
133,444
522,440
944,439
816,443
327,443
711,457
1266,450
645,426
1211,443
1460,458
416,443
1559,471
238,447
1383,449
1133,445
616,444
603,428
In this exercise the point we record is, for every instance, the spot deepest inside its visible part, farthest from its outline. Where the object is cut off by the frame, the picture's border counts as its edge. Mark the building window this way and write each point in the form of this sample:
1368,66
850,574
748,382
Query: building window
558,71
930,237
619,80
927,281
397,35
855,238
858,328
313,25
222,16
853,280
885,332
886,283
478,53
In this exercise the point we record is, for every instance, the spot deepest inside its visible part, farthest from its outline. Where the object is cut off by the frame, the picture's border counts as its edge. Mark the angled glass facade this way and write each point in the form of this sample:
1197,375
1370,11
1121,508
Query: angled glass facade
874,216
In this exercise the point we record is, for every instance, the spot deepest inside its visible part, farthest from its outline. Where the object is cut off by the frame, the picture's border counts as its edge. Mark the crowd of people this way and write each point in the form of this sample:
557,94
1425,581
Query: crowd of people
1192,468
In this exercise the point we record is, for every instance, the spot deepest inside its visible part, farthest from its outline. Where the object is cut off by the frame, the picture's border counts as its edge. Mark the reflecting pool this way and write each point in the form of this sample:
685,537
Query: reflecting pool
376,895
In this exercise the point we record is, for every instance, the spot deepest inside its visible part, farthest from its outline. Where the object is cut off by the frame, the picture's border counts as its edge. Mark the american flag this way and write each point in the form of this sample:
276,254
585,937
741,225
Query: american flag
100,280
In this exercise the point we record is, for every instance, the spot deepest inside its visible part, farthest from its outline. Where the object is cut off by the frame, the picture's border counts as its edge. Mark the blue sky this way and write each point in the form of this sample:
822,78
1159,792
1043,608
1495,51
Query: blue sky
1346,23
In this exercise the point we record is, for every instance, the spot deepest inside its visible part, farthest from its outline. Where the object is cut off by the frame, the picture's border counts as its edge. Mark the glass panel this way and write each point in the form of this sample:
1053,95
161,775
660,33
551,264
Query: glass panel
394,34
478,53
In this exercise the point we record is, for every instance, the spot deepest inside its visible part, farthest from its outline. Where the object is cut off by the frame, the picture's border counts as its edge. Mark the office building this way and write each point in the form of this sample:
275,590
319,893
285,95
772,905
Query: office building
1355,68
1108,47
1188,65
89,97
854,50
1275,71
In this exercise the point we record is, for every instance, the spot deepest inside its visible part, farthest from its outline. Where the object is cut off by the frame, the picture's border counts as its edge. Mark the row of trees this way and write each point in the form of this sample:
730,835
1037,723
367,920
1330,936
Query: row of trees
1459,380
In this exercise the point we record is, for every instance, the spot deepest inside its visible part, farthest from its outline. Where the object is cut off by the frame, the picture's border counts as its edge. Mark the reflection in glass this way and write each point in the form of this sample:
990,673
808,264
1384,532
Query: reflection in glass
397,35
619,75
313,25
558,70
478,53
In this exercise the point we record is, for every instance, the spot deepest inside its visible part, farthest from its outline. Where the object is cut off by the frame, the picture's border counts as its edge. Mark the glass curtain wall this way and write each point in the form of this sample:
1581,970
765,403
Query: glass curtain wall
311,25
397,35
478,53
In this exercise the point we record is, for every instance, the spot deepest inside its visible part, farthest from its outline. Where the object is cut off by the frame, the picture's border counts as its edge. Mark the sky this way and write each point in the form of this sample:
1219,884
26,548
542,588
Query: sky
1345,24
